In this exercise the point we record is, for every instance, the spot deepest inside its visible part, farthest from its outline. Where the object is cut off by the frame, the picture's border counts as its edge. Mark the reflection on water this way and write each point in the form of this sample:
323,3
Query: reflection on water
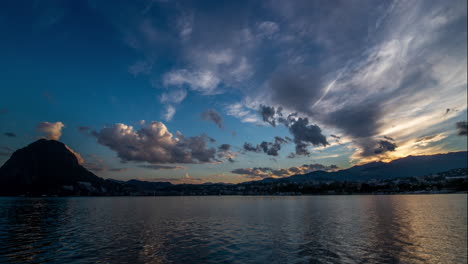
235,229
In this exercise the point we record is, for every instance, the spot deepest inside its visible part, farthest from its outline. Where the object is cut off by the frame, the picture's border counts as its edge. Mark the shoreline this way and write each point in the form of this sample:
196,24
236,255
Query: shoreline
252,195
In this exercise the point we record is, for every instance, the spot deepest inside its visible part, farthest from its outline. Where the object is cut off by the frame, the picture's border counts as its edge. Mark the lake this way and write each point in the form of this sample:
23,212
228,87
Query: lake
235,229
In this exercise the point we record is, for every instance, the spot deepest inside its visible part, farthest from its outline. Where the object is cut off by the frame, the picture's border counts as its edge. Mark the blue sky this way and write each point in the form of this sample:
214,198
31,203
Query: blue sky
153,89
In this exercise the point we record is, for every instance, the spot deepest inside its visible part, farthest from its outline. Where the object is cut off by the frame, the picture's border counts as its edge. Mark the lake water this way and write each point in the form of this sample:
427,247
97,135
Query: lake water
235,229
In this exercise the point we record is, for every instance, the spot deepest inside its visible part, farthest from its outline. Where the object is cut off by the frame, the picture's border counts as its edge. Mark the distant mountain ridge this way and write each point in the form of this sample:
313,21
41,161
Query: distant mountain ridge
411,166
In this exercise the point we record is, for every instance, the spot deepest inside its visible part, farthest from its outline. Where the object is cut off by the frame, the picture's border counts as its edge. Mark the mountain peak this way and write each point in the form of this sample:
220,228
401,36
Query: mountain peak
47,167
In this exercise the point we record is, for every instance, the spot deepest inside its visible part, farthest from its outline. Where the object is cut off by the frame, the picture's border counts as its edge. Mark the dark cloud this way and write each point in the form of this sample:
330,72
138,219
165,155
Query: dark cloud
296,88
269,148
153,143
9,134
290,118
214,116
268,114
360,120
337,138
162,167
305,134
462,128
224,147
250,147
370,147
389,138
225,153
384,146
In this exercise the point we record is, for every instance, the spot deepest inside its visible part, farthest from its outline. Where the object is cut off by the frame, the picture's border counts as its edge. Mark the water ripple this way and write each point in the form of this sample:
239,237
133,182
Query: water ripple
309,229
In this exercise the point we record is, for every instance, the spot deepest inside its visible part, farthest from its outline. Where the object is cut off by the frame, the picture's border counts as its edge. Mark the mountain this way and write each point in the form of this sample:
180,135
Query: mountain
49,167
411,166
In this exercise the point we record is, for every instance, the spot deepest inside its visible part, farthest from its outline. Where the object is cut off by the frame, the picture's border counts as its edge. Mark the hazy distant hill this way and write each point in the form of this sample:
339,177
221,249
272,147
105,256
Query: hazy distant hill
49,167
147,186
405,167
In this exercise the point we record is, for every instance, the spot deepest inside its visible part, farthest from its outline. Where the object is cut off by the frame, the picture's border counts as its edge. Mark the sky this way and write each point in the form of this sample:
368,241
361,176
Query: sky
233,91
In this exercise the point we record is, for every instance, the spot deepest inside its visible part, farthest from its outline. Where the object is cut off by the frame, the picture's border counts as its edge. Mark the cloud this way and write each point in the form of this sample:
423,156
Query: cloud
361,71
337,138
174,96
170,112
214,116
305,134
384,146
296,88
268,114
96,164
9,134
253,172
170,98
224,147
246,115
153,143
140,67
462,128
266,172
396,77
202,81
185,25
51,130
162,167
269,148
224,152
426,140
267,29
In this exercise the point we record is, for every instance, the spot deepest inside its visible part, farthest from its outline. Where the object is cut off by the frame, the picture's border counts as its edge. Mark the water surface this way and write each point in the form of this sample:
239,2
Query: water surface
235,229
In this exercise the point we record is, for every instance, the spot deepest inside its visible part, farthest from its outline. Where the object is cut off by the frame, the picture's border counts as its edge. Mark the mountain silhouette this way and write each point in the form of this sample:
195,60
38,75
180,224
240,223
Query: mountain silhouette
49,167
411,166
